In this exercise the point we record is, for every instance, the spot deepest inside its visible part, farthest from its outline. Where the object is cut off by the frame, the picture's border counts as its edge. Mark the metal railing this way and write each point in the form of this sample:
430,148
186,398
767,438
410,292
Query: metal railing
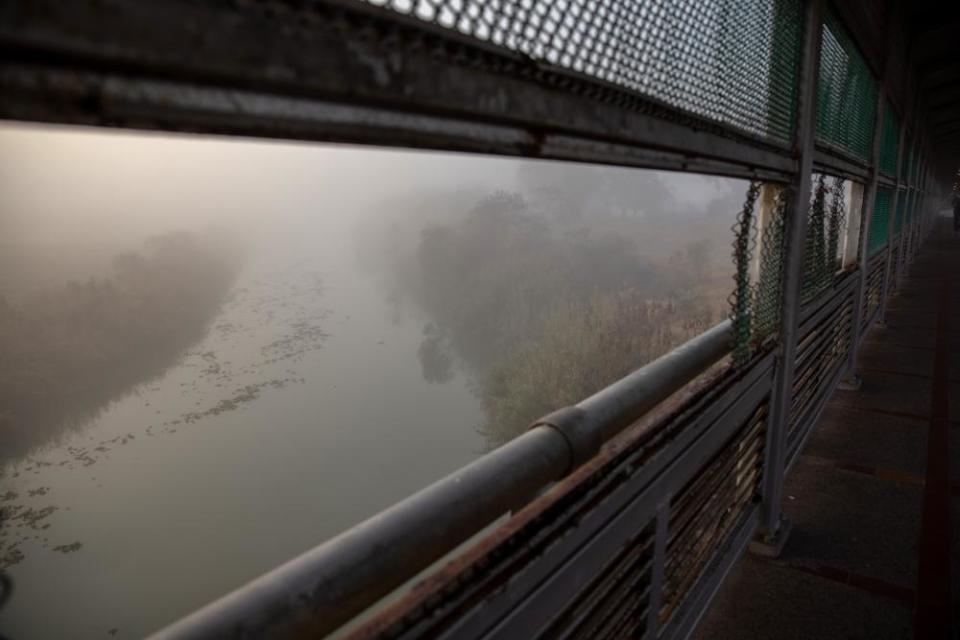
328,585
631,537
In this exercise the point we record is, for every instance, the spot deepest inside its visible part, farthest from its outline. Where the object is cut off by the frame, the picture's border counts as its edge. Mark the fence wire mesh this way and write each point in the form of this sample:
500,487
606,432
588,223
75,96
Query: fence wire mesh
767,294
889,141
836,227
825,224
814,251
755,301
878,221
846,93
731,61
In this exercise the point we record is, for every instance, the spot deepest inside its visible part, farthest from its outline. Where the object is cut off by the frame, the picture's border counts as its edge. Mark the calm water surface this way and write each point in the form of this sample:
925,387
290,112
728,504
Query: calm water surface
304,410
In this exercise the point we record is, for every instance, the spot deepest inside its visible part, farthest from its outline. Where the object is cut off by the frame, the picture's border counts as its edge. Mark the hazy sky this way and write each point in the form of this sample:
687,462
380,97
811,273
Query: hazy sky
80,185
69,184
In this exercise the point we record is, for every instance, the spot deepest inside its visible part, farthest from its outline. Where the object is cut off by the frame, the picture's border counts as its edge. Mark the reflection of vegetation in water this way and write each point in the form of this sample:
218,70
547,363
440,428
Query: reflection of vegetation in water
65,353
435,359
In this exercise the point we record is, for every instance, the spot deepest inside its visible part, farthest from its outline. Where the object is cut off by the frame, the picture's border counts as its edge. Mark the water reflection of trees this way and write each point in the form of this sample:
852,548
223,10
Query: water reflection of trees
66,352
436,361
549,295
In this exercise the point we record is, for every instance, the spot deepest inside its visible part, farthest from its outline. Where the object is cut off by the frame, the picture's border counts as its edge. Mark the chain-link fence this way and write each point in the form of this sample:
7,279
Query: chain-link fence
758,249
730,61
825,224
846,93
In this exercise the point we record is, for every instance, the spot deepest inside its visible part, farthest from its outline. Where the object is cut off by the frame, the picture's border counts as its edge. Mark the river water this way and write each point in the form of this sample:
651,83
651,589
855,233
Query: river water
303,411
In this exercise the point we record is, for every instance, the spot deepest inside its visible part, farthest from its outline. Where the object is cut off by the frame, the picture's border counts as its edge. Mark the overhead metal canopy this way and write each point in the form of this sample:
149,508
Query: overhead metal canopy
934,36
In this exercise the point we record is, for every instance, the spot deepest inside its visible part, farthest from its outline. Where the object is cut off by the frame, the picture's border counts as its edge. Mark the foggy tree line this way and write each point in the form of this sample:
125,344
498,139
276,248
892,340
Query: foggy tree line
550,293
67,350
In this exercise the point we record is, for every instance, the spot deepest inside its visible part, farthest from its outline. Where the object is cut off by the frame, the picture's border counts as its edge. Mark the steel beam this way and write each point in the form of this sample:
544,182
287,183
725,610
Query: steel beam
851,379
891,221
827,160
771,520
340,71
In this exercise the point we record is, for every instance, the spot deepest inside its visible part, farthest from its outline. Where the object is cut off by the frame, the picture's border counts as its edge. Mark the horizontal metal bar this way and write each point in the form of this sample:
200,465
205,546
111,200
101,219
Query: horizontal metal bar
341,72
626,400
634,504
806,428
478,598
829,299
325,587
696,604
329,584
826,161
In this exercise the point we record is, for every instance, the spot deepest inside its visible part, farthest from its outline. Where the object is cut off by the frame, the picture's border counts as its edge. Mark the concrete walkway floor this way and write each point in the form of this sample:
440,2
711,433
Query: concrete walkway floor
875,546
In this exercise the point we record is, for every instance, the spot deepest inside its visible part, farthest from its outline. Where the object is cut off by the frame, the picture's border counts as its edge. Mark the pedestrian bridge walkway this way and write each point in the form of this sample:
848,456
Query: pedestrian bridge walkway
625,514
871,496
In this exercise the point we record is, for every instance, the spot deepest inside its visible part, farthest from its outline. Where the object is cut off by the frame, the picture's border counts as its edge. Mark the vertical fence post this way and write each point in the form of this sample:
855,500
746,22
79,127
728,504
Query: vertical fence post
891,220
658,567
774,528
908,194
851,380
921,203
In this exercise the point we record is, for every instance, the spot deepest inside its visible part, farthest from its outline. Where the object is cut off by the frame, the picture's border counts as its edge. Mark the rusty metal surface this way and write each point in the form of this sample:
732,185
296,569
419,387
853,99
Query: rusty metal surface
328,585
337,70
518,582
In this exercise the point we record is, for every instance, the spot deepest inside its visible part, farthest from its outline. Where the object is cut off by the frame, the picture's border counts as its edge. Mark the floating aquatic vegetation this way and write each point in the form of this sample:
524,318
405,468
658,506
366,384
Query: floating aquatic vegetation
243,395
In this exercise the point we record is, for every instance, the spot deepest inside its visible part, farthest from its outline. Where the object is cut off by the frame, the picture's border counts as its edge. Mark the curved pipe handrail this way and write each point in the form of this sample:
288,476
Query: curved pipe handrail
325,587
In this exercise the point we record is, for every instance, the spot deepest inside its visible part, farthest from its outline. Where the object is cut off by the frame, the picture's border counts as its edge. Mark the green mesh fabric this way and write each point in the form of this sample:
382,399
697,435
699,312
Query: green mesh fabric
846,93
889,141
734,62
879,220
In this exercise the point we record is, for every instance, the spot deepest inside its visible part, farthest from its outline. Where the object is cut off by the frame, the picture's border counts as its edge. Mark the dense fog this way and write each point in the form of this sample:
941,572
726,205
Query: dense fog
200,336
553,278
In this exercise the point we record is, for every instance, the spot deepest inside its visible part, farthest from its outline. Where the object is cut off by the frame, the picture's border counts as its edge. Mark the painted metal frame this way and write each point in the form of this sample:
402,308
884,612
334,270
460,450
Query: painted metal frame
771,516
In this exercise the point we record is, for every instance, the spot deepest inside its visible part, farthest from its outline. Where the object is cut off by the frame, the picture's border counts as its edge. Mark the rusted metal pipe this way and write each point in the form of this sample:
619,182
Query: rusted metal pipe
627,400
325,587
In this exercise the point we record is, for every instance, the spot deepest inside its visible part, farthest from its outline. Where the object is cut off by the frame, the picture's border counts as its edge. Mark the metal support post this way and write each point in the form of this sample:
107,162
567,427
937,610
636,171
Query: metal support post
774,528
908,194
891,219
660,540
851,380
